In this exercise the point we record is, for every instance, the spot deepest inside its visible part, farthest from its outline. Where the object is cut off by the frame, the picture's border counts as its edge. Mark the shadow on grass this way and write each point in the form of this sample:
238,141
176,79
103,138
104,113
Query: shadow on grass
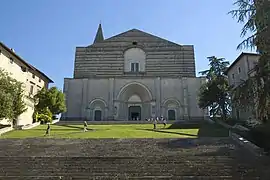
71,126
167,132
205,129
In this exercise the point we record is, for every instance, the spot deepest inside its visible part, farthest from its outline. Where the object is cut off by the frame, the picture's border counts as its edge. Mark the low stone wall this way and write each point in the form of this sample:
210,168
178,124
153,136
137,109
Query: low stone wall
240,127
55,121
5,130
223,124
247,144
29,126
111,122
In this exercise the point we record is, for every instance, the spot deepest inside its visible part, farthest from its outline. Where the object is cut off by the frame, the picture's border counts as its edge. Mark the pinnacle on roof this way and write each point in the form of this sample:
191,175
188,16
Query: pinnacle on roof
99,36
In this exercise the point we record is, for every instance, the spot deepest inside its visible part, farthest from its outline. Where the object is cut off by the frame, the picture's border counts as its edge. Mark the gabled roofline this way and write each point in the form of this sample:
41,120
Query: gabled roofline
107,39
24,62
238,59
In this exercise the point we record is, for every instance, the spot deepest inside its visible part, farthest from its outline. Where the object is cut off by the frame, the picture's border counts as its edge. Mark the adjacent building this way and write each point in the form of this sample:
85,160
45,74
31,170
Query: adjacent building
239,71
33,79
133,76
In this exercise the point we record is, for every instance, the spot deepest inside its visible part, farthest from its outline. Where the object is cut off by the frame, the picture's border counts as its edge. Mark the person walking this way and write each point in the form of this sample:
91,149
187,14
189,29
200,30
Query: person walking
48,130
155,123
164,122
85,126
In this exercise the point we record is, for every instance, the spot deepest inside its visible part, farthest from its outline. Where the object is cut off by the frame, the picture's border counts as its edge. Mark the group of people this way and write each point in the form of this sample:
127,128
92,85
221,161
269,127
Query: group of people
48,130
156,120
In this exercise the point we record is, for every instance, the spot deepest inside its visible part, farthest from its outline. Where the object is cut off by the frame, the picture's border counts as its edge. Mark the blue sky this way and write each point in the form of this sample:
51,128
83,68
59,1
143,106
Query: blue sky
46,32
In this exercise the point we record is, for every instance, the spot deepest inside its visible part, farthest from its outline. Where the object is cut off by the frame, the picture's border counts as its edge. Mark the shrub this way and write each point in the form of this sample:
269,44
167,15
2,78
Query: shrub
44,116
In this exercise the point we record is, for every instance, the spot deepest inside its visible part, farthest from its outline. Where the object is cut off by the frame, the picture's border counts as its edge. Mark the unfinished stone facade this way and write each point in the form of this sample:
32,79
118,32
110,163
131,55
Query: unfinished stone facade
133,76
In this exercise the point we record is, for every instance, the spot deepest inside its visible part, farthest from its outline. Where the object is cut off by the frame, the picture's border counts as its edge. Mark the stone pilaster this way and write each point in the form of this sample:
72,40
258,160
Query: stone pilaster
65,91
185,98
111,98
84,97
158,96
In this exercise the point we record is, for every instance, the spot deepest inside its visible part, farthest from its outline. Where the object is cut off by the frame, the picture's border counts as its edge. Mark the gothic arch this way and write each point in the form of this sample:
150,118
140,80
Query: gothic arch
136,88
171,109
170,101
98,109
96,101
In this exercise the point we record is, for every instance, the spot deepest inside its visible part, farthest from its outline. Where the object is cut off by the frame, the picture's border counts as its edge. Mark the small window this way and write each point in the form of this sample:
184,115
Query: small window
134,67
39,80
23,69
239,70
11,60
31,89
232,76
134,43
33,76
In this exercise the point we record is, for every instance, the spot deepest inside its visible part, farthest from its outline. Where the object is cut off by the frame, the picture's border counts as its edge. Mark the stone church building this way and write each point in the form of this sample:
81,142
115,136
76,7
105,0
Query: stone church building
132,76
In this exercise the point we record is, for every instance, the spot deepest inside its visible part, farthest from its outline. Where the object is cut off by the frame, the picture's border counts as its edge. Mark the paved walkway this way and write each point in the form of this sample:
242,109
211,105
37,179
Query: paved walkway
204,158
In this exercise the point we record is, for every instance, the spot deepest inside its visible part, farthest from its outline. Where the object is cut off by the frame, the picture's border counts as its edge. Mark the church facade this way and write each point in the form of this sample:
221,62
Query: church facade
133,76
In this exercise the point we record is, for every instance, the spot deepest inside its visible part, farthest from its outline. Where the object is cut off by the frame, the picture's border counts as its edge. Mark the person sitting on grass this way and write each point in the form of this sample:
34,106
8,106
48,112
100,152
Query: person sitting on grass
48,130
85,126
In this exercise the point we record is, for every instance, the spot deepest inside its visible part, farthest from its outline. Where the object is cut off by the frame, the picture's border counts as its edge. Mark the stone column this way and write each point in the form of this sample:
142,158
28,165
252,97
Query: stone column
111,98
65,91
84,98
185,99
158,96
153,109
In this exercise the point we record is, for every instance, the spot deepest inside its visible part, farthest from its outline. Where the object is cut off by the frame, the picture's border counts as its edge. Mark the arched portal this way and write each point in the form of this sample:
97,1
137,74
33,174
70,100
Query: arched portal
97,109
134,102
171,109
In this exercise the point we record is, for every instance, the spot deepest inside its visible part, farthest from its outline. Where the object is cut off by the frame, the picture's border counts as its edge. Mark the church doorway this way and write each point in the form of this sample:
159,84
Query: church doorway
134,113
171,114
97,115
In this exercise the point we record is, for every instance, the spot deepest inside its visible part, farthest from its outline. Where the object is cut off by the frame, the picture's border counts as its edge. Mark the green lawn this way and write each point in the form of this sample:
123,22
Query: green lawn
121,131
104,131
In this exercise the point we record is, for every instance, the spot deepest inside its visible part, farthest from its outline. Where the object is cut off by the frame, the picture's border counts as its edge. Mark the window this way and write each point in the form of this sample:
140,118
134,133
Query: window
134,43
134,67
33,76
39,80
239,70
11,60
31,89
23,69
232,76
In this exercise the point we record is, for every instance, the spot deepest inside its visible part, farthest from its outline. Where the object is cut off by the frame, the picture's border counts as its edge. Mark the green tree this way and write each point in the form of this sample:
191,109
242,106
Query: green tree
44,115
214,94
255,14
11,97
19,106
53,99
57,101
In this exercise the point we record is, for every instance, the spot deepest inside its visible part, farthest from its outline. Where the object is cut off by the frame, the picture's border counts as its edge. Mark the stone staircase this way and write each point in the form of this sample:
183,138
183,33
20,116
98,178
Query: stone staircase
205,158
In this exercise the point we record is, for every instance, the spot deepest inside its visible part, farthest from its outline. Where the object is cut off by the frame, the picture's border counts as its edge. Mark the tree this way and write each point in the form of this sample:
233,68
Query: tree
53,99
255,14
57,101
11,97
44,115
214,94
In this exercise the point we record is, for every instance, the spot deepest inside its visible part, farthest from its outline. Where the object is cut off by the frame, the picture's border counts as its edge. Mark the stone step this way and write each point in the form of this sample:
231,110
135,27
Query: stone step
118,177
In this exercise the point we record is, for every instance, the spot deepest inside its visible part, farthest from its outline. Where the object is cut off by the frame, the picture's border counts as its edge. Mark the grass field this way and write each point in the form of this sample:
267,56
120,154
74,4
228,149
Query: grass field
108,131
